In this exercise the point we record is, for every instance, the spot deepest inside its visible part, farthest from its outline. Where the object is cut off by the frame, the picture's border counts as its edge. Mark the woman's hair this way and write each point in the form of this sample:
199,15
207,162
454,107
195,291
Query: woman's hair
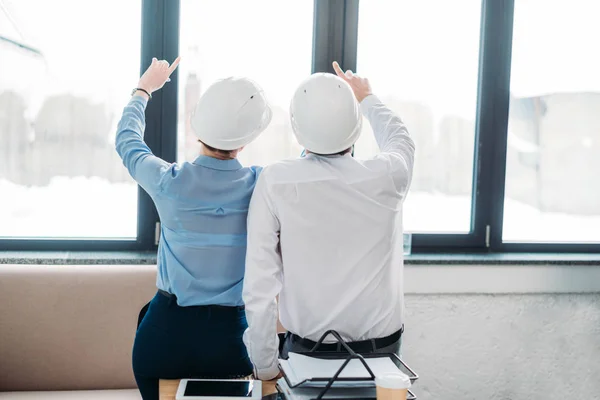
224,152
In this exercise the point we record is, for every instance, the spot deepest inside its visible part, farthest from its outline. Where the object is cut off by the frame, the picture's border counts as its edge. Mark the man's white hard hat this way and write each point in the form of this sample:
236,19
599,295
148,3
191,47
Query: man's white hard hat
325,115
231,114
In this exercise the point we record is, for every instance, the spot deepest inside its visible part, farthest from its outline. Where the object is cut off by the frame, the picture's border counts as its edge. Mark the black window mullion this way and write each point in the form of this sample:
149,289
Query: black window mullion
334,34
169,98
492,121
350,35
153,32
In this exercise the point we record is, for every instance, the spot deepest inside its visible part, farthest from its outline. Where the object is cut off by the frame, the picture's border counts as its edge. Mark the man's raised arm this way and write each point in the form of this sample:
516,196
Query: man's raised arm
396,145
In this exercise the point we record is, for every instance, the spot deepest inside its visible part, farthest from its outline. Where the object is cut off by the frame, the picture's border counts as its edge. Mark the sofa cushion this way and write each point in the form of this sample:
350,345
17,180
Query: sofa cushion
70,327
125,394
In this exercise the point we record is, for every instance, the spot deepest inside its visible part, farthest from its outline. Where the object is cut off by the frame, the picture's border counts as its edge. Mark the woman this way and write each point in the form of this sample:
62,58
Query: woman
194,324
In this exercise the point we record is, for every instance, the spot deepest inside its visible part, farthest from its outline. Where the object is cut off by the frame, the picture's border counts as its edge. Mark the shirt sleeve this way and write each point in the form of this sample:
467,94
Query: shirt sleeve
262,283
396,146
147,169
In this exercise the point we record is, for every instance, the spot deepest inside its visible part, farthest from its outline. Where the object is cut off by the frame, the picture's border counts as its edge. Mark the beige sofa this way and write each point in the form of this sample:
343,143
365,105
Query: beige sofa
66,332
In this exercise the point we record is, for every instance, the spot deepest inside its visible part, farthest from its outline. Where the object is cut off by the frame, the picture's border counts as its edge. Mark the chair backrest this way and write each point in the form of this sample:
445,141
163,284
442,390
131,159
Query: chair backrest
70,327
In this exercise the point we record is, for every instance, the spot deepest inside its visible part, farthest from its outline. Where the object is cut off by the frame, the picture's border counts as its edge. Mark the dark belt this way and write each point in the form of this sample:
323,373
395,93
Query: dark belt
171,296
362,346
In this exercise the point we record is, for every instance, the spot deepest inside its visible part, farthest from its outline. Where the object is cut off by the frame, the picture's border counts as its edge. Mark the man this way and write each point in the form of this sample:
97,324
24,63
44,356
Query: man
325,231
194,324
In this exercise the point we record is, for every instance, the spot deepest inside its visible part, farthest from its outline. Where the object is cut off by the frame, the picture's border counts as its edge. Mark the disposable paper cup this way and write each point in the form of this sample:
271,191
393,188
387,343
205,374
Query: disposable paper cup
392,386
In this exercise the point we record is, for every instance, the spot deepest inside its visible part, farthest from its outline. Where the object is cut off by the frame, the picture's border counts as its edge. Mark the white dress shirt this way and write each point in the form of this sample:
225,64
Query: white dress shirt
325,234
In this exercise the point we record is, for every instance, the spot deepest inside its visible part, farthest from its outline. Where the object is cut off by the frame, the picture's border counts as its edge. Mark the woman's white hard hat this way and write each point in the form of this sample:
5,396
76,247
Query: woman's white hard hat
231,114
325,115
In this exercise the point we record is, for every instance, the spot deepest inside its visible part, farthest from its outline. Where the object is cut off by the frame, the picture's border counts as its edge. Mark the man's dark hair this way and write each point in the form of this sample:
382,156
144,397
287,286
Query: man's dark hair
224,152
341,153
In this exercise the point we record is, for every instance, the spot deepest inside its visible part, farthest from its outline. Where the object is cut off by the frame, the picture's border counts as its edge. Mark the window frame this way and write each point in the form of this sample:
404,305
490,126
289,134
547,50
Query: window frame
501,14
499,17
156,41
477,239
335,37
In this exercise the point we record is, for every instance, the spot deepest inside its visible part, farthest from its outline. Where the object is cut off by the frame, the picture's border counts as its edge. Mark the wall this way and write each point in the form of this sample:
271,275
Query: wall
485,332
505,345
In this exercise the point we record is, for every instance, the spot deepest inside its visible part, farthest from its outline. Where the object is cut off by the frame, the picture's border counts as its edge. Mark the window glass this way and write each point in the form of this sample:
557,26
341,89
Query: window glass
553,156
66,70
269,41
421,58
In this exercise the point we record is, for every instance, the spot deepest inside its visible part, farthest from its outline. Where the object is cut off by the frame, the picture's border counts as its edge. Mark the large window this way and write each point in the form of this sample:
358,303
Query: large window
269,41
421,58
66,69
501,98
553,157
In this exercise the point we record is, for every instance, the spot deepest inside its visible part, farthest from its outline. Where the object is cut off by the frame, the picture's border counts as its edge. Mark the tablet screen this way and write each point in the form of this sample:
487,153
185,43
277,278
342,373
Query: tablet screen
219,388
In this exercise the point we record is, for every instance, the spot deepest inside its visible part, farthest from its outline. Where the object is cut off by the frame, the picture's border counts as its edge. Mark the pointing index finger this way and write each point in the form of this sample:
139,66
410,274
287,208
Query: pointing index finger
174,65
338,71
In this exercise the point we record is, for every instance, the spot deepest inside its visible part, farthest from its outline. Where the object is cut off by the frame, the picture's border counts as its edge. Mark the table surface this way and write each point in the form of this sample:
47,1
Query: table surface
168,389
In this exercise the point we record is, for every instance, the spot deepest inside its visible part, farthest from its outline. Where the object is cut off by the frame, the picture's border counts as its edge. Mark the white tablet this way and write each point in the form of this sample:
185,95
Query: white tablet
203,389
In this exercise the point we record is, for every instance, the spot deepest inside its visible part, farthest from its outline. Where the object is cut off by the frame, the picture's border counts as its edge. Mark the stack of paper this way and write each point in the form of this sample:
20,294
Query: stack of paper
299,368
311,393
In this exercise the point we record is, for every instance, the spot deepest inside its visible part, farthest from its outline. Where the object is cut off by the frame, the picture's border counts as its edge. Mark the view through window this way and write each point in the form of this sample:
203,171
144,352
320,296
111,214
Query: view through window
64,82
553,156
421,58
66,69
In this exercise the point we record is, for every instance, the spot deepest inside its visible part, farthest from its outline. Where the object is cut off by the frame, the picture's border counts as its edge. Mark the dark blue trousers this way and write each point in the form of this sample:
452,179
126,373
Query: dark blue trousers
174,342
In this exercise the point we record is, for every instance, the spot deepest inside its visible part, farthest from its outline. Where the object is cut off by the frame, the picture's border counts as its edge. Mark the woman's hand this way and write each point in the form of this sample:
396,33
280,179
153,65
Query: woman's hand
157,75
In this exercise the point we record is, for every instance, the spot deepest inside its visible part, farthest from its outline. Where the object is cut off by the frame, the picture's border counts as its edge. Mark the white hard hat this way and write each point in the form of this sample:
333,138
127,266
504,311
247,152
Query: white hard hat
325,115
231,114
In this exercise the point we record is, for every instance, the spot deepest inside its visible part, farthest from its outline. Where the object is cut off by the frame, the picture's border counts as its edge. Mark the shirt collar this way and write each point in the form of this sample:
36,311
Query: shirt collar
215,163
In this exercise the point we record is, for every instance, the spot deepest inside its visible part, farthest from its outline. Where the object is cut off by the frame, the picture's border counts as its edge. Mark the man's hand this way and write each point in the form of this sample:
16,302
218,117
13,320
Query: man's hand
157,75
360,86
279,376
